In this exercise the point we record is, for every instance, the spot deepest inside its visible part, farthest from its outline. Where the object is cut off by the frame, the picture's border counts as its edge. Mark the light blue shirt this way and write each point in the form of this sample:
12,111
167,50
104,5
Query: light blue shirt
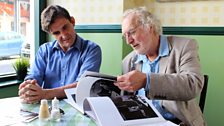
53,68
149,67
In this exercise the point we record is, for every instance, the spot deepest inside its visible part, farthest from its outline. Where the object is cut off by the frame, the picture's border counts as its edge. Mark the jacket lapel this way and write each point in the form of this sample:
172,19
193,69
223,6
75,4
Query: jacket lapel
163,63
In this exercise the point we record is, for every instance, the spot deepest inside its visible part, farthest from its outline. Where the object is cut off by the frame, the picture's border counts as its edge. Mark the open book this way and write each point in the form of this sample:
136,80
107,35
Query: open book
91,84
97,97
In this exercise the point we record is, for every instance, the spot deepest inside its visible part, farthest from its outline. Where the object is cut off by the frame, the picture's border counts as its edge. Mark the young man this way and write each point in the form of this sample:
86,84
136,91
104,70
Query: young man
165,69
59,64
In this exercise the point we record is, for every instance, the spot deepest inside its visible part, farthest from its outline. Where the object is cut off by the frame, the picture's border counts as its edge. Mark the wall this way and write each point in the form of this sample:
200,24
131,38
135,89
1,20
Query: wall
211,55
190,13
150,4
93,11
112,48
184,13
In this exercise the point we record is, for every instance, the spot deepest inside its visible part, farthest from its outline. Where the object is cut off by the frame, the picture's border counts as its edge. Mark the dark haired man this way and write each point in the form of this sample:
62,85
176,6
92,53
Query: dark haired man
59,64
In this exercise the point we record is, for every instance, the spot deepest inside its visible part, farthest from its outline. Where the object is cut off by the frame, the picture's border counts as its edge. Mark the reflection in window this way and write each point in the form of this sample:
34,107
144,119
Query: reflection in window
14,26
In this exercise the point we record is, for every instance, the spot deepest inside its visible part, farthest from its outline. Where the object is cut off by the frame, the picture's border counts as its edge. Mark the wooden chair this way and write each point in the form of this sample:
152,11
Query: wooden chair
203,93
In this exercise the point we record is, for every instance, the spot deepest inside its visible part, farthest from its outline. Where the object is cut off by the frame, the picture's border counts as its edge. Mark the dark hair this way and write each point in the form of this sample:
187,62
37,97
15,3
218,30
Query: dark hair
50,14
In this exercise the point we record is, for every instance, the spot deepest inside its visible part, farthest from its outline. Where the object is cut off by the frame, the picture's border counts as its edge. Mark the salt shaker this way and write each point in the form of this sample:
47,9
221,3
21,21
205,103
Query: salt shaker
55,111
44,111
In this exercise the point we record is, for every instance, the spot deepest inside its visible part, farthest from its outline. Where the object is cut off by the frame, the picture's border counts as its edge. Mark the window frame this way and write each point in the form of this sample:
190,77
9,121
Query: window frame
39,37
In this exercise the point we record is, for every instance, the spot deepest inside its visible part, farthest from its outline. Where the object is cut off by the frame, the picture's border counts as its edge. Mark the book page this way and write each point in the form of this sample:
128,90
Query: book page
122,112
71,99
132,107
91,84
104,116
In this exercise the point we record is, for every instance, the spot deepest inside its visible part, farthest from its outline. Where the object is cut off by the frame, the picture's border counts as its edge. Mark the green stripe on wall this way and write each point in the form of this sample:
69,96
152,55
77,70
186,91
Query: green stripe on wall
193,30
98,28
166,30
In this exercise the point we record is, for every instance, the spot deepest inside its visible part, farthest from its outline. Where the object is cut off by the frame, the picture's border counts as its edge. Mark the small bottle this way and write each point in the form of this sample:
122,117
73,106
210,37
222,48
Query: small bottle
44,111
55,111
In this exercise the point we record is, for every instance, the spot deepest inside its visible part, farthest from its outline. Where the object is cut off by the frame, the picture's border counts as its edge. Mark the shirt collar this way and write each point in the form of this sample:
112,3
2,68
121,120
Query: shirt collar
77,44
163,50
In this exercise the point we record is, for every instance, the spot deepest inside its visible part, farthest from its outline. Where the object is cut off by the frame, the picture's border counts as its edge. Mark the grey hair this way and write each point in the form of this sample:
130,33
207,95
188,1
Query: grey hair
50,14
145,17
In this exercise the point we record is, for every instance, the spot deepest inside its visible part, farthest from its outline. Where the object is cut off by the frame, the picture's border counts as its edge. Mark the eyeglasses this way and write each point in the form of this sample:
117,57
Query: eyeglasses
129,33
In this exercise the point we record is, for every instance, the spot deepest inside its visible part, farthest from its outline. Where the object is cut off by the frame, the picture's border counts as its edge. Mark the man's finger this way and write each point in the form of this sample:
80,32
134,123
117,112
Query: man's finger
32,99
32,93
22,91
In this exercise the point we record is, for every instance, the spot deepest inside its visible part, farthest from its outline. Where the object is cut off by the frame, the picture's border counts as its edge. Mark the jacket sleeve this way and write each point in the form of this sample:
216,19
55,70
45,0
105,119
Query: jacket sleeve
181,79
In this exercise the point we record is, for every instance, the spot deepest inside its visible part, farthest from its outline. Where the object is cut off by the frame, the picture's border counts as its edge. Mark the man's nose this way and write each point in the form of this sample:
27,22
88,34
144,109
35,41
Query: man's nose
129,39
63,34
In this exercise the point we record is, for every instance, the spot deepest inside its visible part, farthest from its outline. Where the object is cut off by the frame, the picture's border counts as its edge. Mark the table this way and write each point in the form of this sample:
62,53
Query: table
10,108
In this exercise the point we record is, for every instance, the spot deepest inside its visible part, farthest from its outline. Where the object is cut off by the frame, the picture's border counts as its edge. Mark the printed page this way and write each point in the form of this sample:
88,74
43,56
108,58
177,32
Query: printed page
104,116
137,110
71,99
123,113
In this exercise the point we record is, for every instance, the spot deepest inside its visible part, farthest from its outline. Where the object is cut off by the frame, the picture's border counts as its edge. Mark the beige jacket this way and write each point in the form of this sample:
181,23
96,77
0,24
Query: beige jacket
179,80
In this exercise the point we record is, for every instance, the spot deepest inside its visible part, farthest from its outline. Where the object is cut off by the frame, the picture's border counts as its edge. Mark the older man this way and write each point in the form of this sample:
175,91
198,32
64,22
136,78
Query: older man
165,69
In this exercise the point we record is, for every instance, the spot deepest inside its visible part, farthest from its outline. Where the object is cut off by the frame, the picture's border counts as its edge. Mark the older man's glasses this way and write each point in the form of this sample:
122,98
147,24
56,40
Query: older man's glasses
130,33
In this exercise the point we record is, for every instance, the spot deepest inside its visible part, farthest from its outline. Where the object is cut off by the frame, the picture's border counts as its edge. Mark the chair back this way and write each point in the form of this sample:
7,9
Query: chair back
203,93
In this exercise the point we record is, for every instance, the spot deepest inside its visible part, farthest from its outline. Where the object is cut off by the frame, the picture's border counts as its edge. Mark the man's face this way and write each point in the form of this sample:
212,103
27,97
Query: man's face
63,30
136,35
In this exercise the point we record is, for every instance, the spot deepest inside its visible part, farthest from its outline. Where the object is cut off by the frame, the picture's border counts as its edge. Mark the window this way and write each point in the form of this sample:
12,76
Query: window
14,29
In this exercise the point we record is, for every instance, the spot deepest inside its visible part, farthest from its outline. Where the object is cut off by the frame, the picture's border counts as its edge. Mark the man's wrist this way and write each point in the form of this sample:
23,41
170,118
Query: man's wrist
56,92
45,94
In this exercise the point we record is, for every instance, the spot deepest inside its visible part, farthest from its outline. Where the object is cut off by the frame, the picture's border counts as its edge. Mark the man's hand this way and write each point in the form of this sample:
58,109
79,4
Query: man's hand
31,92
22,85
131,81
